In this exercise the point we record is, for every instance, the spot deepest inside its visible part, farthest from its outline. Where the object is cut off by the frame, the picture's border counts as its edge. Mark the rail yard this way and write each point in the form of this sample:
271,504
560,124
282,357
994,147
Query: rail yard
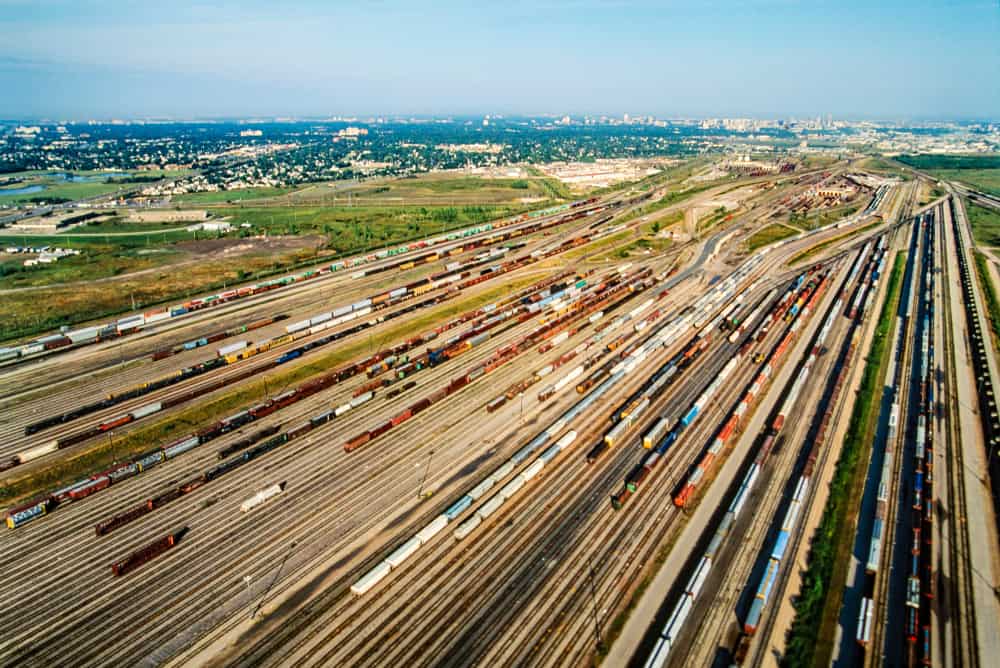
526,442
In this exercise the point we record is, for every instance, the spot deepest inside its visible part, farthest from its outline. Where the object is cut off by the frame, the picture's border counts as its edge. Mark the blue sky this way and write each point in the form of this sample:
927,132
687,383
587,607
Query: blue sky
129,58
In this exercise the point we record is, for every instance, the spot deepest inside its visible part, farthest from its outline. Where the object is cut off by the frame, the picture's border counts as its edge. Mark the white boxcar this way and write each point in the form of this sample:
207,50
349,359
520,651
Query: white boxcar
371,578
403,552
37,451
260,497
432,529
148,409
231,348
467,527
490,506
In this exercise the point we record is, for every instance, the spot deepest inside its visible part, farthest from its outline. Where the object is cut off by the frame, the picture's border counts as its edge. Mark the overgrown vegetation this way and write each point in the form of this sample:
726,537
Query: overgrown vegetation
817,605
769,235
935,161
985,224
664,202
351,229
820,247
886,166
992,300
228,196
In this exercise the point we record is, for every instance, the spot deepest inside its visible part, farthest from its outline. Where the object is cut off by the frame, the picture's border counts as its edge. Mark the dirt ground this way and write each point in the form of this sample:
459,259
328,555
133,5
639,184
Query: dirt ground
224,248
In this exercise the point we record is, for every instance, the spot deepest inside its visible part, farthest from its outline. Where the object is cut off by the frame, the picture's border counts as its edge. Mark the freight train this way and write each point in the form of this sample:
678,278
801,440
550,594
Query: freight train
134,323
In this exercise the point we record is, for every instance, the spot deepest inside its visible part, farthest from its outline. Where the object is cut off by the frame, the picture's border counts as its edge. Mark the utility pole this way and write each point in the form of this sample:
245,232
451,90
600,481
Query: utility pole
420,490
593,597
247,579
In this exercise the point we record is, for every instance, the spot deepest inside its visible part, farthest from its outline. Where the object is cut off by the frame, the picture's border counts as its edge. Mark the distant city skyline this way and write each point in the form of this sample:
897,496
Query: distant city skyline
750,58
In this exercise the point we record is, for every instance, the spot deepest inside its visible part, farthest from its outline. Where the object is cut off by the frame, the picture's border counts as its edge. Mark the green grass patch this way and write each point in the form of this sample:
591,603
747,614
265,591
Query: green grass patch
986,180
55,189
117,226
823,218
985,223
958,162
28,312
361,228
102,453
96,264
227,196
595,247
102,241
64,191
885,166
441,189
811,637
769,235
992,300
820,247
669,199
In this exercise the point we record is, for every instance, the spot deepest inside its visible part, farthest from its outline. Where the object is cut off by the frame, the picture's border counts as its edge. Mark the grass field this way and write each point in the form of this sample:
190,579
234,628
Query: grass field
437,189
95,263
63,191
992,300
27,312
358,228
664,202
986,180
985,224
825,217
97,241
227,196
817,606
958,162
884,166
57,189
331,232
429,190
769,235
820,247
114,226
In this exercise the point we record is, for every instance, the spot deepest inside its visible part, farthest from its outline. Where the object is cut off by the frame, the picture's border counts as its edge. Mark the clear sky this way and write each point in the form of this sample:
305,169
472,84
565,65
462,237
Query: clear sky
901,59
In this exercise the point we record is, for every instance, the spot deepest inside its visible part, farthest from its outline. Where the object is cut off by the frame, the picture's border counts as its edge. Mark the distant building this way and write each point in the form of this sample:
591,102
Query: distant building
210,227
352,132
828,192
251,133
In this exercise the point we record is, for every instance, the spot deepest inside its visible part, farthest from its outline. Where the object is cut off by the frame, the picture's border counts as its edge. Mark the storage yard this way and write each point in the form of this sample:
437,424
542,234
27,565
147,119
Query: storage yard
508,444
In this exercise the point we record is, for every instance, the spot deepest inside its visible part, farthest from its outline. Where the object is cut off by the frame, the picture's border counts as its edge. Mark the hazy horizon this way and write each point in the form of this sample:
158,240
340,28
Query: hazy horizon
113,59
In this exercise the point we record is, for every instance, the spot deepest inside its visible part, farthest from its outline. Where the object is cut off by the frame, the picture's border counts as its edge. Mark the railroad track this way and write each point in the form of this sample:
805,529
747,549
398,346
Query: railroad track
903,350
719,601
594,500
319,435
964,644
344,505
